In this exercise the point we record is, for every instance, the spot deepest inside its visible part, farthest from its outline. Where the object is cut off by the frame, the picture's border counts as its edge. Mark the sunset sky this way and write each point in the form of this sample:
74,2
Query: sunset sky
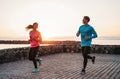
58,18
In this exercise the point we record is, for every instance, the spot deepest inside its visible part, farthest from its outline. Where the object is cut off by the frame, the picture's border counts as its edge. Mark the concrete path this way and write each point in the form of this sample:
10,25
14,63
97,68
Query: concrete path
64,66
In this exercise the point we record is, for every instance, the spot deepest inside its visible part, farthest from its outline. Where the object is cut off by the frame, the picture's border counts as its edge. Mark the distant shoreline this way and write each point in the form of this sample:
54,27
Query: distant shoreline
27,42
48,42
101,40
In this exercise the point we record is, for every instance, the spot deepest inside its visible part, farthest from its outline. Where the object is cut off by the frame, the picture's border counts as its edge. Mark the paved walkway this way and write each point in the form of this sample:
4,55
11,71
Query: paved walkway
64,66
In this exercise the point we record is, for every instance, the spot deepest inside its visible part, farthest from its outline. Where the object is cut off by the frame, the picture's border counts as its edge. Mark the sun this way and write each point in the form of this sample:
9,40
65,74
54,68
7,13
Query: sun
46,35
46,38
47,32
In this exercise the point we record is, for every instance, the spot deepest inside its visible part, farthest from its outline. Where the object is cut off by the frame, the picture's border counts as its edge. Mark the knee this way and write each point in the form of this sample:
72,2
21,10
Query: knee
85,58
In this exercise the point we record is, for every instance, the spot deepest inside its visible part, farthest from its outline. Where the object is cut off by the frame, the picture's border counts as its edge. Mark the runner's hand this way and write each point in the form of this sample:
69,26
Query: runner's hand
86,38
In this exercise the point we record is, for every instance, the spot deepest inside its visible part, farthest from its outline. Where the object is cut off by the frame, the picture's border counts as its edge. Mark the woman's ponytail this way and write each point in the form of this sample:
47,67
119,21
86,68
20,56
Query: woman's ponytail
29,27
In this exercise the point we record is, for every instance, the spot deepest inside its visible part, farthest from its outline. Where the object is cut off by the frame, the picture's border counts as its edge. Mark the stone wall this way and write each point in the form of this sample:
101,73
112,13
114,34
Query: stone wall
9,55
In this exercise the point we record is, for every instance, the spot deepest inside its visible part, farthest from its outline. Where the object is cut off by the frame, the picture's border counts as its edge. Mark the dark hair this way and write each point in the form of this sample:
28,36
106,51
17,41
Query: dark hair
35,23
87,18
29,27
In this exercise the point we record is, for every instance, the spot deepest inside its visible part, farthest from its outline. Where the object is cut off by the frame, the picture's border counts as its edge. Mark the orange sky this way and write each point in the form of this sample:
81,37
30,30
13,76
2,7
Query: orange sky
58,18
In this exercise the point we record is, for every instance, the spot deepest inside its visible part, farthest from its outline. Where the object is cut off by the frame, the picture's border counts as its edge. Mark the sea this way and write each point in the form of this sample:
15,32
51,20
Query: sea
10,46
98,41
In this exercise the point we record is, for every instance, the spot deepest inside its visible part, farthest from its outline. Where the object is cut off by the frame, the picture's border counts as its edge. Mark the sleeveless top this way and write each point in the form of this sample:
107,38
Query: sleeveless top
33,36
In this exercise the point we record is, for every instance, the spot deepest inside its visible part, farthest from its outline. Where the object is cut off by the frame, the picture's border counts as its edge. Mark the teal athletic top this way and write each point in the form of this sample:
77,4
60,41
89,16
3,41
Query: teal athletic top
87,30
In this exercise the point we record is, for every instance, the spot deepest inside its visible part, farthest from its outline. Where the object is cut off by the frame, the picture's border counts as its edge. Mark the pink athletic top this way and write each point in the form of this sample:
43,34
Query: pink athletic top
33,36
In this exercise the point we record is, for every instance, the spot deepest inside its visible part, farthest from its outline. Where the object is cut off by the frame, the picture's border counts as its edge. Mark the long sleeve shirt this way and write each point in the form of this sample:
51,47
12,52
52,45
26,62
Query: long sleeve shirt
87,30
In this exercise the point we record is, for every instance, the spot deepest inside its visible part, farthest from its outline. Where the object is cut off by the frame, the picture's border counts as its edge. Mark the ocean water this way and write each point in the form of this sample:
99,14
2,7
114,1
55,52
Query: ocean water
106,41
98,41
6,46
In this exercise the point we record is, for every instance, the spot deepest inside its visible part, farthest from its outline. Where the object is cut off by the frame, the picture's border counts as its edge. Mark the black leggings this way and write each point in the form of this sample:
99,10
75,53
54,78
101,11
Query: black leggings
85,52
32,55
